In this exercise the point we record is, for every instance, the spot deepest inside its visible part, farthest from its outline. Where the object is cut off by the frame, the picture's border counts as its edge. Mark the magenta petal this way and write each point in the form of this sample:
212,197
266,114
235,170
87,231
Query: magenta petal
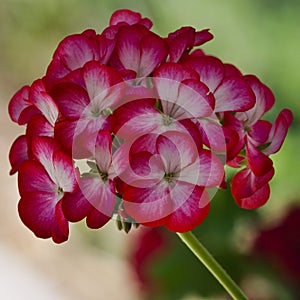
64,171
18,153
148,205
177,150
101,149
72,53
180,41
210,70
75,206
125,16
64,133
234,95
278,131
43,101
206,171
153,52
175,72
71,99
18,103
33,177
92,196
259,163
60,228
128,46
96,219
202,37
260,131
194,100
135,118
27,114
212,135
257,199
43,149
231,70
189,213
37,212
39,126
245,185
264,99
99,80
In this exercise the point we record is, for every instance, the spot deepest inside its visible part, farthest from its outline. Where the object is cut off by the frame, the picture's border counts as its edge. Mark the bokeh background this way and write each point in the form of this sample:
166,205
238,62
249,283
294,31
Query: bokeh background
260,37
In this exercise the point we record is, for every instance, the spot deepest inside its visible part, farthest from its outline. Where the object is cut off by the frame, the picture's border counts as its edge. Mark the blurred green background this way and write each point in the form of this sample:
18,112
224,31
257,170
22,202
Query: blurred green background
260,37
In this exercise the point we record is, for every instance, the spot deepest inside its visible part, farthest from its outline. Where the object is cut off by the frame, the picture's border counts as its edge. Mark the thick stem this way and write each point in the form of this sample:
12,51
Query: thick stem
212,265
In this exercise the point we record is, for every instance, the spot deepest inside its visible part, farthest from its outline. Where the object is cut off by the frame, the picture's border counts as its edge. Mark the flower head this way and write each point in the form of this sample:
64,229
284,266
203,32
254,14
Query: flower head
152,119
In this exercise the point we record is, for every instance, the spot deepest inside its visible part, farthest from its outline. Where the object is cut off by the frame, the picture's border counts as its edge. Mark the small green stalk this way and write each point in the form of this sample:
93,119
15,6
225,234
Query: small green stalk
212,265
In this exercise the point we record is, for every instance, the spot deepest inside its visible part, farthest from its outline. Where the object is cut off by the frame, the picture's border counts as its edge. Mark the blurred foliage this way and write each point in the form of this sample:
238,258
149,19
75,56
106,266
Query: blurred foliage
261,37
228,233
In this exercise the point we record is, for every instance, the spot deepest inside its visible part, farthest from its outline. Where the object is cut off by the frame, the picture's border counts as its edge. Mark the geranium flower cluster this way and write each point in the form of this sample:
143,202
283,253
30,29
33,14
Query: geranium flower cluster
155,119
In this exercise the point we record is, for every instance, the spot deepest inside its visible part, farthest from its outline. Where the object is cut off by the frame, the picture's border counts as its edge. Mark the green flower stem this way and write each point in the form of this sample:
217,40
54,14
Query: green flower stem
212,265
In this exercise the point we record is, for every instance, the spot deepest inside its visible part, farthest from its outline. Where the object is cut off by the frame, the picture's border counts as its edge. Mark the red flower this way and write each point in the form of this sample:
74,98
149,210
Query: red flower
95,198
168,183
43,183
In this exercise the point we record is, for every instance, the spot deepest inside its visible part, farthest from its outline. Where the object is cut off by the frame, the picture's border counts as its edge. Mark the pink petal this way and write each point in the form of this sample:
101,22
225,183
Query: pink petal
96,219
33,177
72,53
101,149
148,205
37,212
43,149
260,131
207,171
180,41
94,200
104,204
71,99
144,143
278,131
177,150
234,95
98,80
18,153
259,163
43,101
194,100
125,16
27,114
264,100
135,118
64,134
210,69
167,79
128,46
75,206
212,134
146,22
38,126
256,200
189,213
234,134
202,37
250,191
60,228
64,171
145,170
175,72
153,52
18,103
231,70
